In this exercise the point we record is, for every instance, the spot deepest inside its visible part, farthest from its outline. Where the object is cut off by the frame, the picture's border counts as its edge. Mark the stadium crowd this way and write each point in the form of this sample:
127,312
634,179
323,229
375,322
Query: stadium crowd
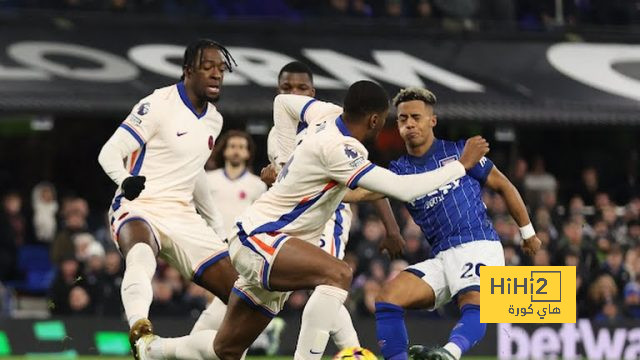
452,14
57,249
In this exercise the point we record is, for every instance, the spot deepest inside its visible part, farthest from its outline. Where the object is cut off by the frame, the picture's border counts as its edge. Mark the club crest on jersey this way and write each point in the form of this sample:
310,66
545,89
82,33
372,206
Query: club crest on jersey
144,108
350,152
447,160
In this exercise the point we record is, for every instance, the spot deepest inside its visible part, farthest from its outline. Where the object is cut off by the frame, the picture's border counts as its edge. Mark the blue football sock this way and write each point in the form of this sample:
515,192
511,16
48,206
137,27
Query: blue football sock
391,331
468,331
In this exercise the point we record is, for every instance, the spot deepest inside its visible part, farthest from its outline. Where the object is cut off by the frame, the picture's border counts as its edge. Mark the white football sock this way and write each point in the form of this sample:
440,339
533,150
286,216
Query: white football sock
342,332
454,350
318,319
211,318
196,346
135,289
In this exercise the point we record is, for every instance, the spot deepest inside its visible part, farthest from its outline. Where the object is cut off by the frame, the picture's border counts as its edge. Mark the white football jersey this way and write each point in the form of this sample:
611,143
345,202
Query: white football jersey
175,142
293,116
312,183
233,196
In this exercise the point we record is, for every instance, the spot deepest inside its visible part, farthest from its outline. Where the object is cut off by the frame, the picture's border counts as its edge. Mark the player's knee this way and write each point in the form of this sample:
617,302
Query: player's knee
339,276
226,350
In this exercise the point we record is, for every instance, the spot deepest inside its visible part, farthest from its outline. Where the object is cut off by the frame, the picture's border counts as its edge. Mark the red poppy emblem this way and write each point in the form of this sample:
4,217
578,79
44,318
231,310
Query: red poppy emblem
243,195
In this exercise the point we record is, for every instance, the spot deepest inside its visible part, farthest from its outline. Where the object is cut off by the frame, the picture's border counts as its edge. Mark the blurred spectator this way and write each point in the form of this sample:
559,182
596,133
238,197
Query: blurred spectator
45,208
457,14
74,214
518,175
12,234
511,257
589,186
395,8
80,302
415,249
372,231
68,277
542,258
165,301
573,240
603,291
537,182
632,298
111,304
613,266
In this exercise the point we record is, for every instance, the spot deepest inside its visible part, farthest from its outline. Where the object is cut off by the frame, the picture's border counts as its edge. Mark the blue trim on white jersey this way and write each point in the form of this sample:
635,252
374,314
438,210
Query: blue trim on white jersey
224,171
303,124
133,133
117,202
415,272
354,182
337,229
138,165
342,127
187,102
304,109
292,215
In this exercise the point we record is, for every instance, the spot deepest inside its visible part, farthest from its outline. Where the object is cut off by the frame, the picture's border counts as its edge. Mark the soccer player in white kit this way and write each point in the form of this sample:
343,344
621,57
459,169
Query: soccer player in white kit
232,184
274,246
165,142
233,188
296,78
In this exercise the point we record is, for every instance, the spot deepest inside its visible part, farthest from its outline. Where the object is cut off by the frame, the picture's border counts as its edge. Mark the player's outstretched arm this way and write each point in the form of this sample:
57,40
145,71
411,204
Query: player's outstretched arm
498,182
409,187
205,205
360,194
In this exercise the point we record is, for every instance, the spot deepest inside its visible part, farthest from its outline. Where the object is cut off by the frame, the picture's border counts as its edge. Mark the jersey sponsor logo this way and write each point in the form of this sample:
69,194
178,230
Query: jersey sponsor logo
448,159
350,152
437,196
135,120
357,162
143,108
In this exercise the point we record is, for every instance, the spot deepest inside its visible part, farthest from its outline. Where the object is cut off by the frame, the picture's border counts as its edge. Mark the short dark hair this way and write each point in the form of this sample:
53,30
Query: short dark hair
221,145
194,50
296,67
414,93
365,97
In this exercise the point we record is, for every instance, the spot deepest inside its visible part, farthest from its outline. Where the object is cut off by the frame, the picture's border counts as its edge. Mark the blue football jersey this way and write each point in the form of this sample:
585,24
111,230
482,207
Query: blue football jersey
454,214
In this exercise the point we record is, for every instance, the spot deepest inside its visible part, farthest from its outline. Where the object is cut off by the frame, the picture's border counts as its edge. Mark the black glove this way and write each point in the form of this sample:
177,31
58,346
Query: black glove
132,186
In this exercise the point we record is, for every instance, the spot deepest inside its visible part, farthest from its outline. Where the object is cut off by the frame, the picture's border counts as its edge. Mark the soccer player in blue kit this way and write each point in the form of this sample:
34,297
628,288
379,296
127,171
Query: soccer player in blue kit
454,221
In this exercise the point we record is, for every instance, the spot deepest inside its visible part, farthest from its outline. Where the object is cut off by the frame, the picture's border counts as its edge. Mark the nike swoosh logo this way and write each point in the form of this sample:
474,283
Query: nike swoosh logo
181,133
315,352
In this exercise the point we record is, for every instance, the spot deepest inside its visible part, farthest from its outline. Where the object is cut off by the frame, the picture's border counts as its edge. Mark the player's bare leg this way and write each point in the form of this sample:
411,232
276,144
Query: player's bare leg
405,291
219,279
139,248
300,265
241,326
